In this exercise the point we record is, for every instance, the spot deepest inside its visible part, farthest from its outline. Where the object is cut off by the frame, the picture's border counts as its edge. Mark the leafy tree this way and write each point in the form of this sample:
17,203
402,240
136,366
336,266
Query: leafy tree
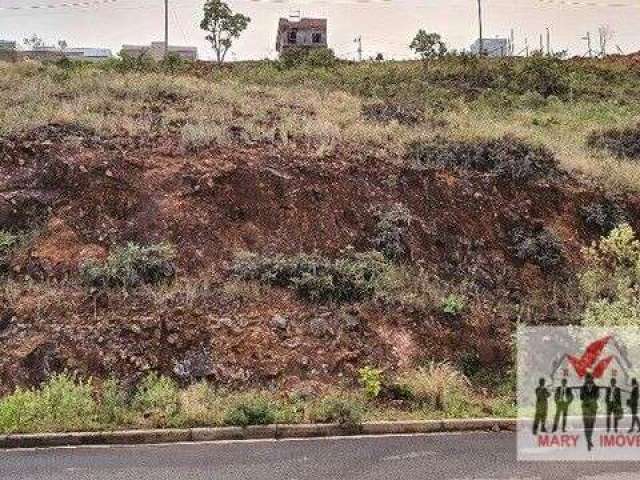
34,42
428,45
62,45
223,26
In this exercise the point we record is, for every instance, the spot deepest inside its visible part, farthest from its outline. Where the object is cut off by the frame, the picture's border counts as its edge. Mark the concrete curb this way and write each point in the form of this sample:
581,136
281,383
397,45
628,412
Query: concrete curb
138,437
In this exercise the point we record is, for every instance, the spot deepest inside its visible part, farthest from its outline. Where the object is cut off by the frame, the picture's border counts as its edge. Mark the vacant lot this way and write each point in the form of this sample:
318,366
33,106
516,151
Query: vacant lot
284,229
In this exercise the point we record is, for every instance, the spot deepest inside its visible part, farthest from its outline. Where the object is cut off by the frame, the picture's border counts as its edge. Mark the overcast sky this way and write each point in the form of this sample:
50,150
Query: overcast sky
386,26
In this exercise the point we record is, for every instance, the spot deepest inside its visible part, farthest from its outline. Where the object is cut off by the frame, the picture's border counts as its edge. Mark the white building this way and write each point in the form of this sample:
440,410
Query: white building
492,47
156,51
7,45
88,54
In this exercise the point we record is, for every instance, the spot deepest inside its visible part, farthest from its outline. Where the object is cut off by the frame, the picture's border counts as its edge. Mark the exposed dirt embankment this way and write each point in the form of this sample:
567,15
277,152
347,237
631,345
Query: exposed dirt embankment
77,195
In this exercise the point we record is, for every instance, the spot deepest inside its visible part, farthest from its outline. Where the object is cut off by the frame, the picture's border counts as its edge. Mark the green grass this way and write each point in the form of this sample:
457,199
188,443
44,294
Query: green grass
130,266
68,403
557,104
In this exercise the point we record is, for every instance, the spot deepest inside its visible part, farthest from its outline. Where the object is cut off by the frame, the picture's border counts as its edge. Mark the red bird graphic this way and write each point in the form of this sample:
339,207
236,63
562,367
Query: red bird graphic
588,359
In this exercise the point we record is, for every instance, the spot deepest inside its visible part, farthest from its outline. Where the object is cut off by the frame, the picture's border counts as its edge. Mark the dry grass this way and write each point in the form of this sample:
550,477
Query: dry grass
563,127
233,110
201,112
436,384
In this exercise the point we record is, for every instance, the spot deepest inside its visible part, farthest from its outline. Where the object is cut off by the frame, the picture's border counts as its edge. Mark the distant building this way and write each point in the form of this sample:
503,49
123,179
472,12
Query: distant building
305,33
53,53
156,51
87,54
7,45
42,54
492,47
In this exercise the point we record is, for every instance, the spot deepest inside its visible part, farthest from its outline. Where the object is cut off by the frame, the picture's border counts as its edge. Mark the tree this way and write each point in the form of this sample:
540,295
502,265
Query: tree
428,45
34,42
62,45
606,34
223,26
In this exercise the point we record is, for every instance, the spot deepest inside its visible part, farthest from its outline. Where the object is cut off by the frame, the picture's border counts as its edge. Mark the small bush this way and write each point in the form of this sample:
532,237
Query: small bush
201,135
434,385
543,75
541,247
112,406
63,403
610,282
131,63
391,230
470,364
388,111
174,64
623,143
371,381
320,58
19,411
337,409
195,406
251,409
131,266
453,304
8,241
157,398
410,287
395,391
352,277
307,57
602,216
506,157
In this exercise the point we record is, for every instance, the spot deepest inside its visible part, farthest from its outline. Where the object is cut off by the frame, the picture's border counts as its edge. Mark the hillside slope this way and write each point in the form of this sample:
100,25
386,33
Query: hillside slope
508,247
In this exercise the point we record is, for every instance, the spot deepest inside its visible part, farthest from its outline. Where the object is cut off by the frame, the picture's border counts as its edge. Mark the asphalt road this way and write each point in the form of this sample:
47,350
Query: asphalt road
441,457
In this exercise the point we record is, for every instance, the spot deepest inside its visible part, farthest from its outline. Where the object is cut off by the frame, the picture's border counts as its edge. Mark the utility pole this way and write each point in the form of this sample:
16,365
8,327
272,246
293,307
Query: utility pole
548,42
541,45
512,43
481,39
358,40
606,34
166,29
526,46
588,39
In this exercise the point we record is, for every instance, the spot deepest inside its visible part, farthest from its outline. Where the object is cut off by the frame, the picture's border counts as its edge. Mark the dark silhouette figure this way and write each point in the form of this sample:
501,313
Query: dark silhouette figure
613,400
589,395
542,406
633,405
563,398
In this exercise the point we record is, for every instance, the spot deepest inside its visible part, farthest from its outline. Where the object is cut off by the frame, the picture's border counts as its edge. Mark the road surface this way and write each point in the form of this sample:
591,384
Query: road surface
439,457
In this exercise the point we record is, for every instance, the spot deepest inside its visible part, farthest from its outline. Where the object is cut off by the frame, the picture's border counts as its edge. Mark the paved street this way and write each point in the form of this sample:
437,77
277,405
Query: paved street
463,456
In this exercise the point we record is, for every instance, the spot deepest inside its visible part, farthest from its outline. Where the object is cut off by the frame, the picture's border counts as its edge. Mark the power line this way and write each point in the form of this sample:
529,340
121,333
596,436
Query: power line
93,3
178,22
589,3
51,6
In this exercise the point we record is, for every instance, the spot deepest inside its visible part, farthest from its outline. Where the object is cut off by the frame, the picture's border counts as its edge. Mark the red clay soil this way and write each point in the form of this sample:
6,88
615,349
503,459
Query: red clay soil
82,194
